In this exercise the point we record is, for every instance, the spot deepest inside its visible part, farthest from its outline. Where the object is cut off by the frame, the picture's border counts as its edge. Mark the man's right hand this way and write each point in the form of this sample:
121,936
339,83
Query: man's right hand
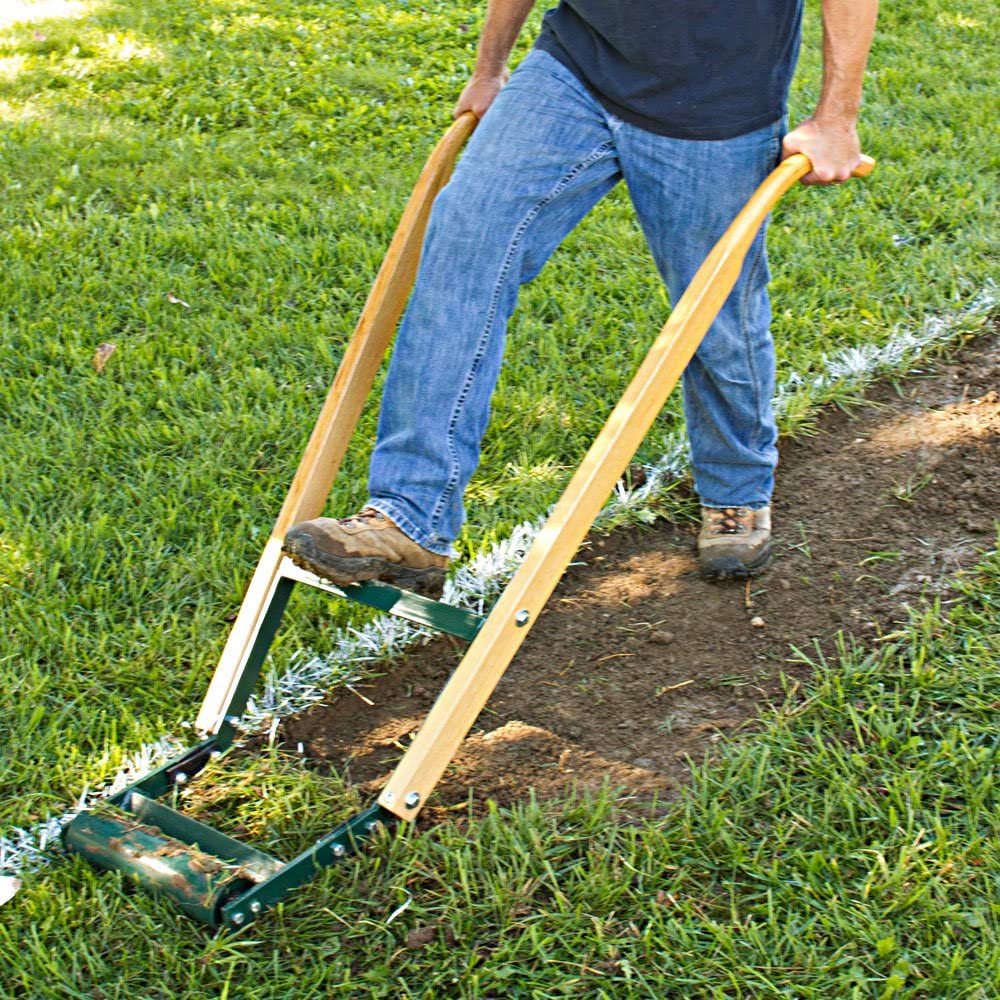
480,92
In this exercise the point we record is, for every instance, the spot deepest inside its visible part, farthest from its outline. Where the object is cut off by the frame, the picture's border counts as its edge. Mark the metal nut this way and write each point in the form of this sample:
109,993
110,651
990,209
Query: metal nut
339,850
180,778
522,618
238,918
412,800
255,907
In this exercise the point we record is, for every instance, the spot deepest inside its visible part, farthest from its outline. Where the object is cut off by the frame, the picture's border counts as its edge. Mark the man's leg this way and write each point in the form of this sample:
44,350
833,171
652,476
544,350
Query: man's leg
686,193
542,156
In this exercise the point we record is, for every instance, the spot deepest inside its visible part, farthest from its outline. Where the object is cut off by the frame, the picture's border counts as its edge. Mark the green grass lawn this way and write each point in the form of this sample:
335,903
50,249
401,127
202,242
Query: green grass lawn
850,849
250,160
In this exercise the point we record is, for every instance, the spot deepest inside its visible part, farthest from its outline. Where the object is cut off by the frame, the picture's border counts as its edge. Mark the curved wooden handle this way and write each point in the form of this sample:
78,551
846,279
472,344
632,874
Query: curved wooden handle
731,249
525,596
865,167
800,164
339,416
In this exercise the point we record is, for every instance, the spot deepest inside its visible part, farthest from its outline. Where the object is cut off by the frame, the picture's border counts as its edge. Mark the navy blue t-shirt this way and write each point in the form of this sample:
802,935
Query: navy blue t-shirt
692,69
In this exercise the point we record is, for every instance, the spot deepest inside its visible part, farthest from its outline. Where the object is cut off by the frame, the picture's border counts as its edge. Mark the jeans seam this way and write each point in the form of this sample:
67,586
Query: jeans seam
505,267
745,327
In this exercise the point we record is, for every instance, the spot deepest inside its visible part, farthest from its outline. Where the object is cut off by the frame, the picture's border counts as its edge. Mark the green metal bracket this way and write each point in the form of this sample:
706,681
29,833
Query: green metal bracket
401,603
256,865
345,840
175,772
256,659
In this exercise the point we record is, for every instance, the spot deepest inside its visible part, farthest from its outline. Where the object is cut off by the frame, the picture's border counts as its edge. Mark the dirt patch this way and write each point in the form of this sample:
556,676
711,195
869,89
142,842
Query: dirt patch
637,665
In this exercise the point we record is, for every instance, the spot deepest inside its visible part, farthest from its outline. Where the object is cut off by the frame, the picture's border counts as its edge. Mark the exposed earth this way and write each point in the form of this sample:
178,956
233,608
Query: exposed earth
638,666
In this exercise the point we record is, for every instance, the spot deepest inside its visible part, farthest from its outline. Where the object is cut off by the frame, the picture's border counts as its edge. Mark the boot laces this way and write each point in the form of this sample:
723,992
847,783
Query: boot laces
729,520
365,516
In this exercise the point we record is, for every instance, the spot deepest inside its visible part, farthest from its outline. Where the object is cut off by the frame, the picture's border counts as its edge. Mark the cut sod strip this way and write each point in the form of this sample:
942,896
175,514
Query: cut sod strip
306,678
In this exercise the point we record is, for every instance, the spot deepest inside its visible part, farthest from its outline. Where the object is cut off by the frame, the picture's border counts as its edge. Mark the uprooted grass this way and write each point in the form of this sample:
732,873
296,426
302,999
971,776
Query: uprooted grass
848,849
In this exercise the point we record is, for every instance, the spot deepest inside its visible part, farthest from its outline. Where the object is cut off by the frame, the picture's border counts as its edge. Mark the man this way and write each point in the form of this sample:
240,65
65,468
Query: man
684,100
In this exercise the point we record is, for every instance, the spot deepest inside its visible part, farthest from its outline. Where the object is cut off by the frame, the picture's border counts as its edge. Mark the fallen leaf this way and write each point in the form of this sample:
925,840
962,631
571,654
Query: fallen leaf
173,300
101,355
8,888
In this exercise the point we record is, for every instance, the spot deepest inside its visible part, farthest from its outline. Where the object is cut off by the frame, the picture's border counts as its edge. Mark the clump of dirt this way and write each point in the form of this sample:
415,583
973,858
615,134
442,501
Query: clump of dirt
637,665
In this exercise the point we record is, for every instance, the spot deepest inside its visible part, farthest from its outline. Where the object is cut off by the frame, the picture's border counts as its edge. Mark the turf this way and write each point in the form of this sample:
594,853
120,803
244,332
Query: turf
210,188
849,849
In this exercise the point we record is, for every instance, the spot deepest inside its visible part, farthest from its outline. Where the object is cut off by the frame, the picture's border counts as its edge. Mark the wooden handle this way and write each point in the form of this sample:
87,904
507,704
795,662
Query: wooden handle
864,168
519,606
339,416
803,165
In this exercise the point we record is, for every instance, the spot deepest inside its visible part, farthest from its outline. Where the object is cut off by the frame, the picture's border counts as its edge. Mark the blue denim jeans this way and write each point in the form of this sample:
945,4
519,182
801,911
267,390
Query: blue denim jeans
541,158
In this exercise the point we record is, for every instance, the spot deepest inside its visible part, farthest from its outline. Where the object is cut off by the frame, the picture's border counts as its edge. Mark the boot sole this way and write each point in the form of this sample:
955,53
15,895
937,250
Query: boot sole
730,568
342,572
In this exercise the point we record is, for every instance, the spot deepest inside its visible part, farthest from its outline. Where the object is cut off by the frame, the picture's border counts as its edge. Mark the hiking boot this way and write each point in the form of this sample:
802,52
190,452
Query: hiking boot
366,546
734,542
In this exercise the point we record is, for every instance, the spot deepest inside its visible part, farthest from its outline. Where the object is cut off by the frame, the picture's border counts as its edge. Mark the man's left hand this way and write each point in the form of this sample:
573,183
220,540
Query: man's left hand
831,145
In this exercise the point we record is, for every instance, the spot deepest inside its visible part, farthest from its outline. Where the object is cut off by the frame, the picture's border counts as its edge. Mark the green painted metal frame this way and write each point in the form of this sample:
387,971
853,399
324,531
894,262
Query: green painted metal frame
194,879
400,603
148,838
346,840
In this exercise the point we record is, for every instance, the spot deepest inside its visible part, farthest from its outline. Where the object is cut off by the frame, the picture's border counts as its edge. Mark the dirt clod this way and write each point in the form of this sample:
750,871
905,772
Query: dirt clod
419,937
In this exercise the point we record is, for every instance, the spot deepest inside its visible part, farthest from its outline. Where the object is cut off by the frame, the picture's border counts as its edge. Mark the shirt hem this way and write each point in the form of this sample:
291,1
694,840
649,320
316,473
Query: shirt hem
731,130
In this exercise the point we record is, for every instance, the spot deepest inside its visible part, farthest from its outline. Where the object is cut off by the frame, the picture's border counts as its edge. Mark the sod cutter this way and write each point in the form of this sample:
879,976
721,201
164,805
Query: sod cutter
223,882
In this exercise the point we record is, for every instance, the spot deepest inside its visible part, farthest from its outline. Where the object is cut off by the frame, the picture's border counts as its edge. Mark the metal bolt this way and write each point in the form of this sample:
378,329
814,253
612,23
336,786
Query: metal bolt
180,778
255,907
339,850
372,826
238,918
412,800
522,617
388,796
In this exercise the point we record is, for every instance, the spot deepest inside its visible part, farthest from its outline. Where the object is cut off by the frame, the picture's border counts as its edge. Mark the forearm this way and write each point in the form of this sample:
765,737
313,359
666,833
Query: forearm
848,29
504,20
829,136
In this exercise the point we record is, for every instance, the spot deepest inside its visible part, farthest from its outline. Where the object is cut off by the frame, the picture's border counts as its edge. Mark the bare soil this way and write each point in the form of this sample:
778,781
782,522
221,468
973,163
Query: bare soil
638,666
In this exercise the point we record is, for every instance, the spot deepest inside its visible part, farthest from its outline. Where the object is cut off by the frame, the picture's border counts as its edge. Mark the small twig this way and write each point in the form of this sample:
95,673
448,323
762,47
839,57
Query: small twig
747,603
353,690
613,656
672,687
